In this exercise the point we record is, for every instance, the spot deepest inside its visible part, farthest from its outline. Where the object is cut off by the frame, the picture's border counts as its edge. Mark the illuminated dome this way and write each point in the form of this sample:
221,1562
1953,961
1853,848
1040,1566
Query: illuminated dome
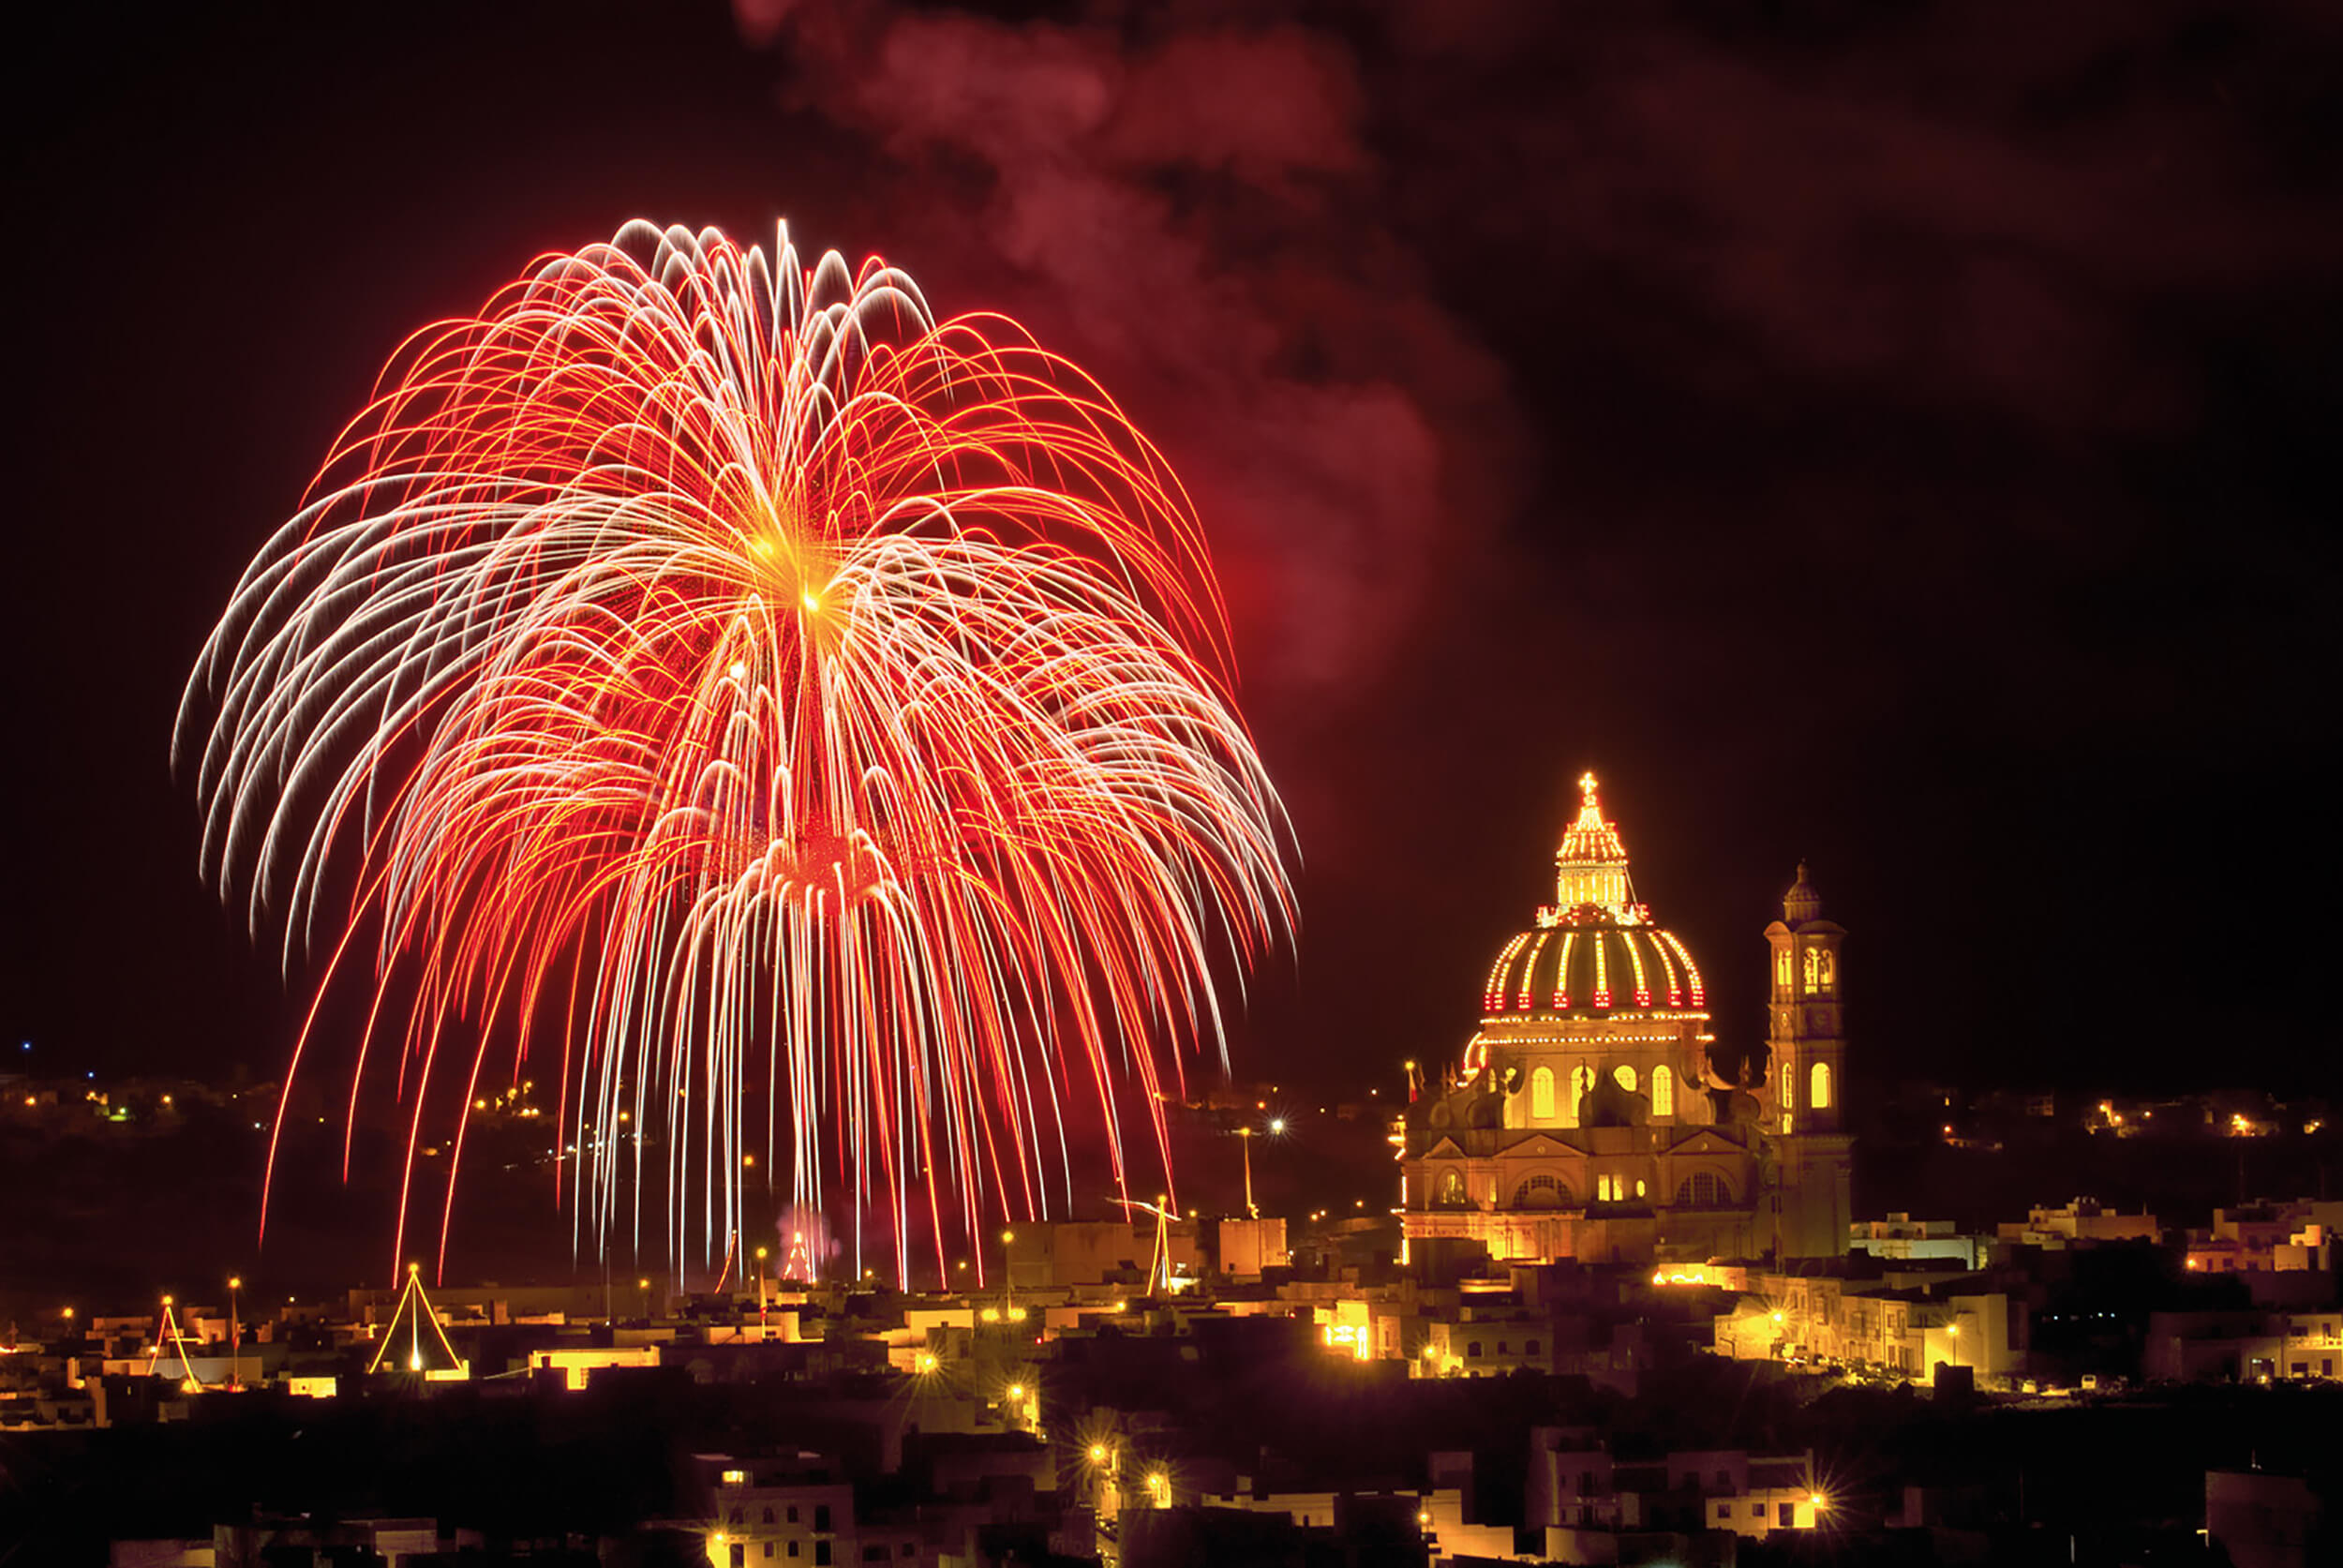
1594,951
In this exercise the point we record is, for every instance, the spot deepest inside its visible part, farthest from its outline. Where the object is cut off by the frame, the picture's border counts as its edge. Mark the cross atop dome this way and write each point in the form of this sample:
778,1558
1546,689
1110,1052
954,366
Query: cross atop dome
1591,864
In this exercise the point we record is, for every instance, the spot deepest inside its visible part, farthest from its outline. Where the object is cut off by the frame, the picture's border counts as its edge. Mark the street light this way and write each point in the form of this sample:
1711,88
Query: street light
235,1332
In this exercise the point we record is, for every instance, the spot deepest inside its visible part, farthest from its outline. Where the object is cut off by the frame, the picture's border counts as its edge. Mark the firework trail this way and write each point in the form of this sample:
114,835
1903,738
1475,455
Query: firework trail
718,672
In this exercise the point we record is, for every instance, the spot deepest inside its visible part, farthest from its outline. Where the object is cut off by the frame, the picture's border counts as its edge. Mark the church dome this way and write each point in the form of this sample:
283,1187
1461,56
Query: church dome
1592,969
1594,951
1801,903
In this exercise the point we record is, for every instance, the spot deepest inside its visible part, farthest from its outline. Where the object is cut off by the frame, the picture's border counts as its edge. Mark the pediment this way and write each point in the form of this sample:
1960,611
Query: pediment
1446,1149
1540,1146
1704,1141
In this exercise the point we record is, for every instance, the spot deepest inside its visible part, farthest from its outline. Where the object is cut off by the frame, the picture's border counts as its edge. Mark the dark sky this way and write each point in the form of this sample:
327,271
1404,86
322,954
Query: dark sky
1899,436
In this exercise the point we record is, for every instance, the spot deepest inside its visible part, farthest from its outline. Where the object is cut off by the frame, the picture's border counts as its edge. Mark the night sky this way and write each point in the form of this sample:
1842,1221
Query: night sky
1897,435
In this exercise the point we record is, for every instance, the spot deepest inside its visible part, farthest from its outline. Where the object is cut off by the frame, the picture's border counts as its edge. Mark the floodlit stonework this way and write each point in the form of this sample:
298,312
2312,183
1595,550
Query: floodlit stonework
1588,1118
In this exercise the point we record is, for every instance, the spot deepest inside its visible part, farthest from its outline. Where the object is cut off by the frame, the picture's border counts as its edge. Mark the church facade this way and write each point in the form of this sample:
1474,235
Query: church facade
1588,1118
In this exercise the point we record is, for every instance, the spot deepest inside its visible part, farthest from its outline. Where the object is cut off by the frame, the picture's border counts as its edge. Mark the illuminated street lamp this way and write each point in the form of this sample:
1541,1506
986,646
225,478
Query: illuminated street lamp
235,1332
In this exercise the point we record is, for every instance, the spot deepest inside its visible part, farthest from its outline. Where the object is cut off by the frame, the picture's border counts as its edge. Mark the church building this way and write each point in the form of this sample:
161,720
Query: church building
1588,1118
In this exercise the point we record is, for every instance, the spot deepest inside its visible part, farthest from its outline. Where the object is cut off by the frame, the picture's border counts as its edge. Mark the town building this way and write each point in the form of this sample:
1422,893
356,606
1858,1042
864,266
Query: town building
1589,1117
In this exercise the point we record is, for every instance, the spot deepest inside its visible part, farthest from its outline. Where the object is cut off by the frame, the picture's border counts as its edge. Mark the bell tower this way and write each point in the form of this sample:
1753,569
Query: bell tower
1805,1097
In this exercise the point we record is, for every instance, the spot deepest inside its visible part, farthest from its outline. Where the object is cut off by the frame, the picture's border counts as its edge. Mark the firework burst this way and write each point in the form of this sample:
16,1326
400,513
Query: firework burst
725,676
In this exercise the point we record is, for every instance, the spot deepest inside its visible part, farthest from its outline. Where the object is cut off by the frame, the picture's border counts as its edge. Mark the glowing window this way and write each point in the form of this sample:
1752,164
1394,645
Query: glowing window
1626,1077
1639,1189
1824,968
1782,967
1662,1091
1789,1080
1452,1189
1541,1094
1819,1086
1813,968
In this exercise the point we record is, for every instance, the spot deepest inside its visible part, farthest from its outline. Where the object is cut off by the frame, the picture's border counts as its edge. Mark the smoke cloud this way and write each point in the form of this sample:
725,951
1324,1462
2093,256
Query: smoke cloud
1193,212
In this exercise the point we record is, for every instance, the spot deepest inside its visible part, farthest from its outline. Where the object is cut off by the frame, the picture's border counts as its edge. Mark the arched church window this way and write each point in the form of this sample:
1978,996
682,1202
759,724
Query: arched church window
1541,1191
1662,1091
1701,1190
1825,968
1782,967
1541,1094
1813,967
1819,1087
1789,1082
1452,1190
1626,1077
